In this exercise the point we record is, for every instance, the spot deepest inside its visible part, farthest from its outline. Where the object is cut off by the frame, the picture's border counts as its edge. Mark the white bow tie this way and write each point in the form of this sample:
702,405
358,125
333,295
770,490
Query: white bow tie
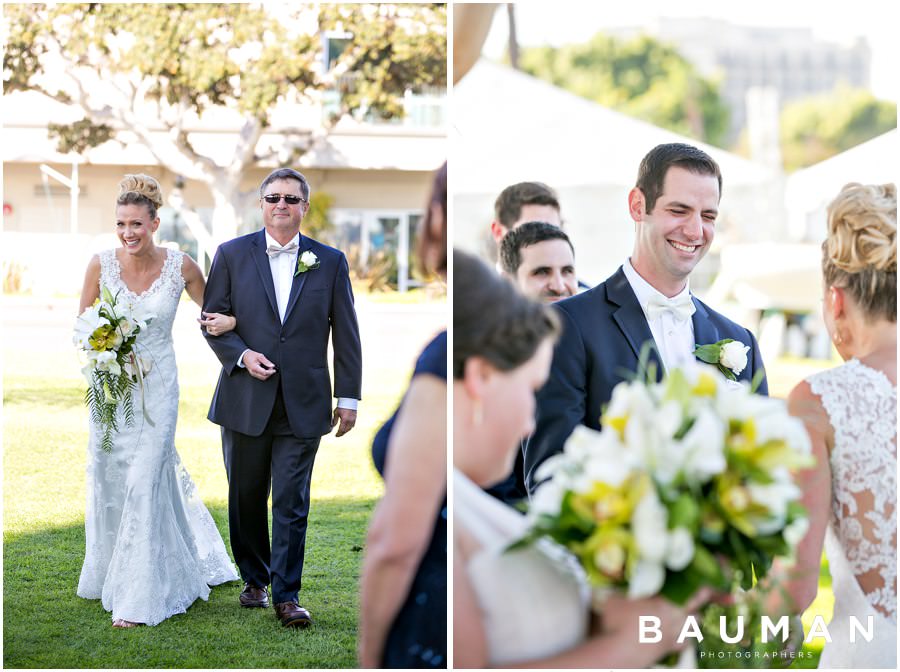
274,250
682,307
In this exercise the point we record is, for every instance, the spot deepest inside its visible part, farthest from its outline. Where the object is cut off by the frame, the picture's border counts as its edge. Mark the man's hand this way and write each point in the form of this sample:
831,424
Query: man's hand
257,365
347,416
216,323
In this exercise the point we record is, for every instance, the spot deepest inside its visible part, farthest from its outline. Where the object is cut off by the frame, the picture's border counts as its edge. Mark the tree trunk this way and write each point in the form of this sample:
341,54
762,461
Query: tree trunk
226,212
513,38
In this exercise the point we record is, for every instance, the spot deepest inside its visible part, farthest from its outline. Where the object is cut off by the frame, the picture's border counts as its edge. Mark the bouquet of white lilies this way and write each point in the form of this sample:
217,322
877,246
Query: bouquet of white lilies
688,484
106,333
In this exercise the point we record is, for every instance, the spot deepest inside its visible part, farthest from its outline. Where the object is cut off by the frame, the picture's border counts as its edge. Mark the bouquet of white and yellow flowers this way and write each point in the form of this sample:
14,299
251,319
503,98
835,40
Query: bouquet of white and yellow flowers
688,484
106,333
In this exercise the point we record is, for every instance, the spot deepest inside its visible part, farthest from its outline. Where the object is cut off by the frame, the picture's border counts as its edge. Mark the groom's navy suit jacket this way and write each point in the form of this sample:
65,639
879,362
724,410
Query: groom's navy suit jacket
603,331
320,301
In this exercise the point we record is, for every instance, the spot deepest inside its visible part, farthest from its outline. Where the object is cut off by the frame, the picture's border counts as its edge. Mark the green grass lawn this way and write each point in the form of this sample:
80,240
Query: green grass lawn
46,625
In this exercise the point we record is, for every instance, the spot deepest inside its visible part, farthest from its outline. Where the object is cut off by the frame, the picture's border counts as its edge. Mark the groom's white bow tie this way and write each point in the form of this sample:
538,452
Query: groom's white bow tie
274,250
682,307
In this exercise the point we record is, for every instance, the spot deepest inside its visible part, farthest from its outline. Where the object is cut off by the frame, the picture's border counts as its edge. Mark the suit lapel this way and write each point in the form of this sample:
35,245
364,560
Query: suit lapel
704,331
258,252
630,318
299,279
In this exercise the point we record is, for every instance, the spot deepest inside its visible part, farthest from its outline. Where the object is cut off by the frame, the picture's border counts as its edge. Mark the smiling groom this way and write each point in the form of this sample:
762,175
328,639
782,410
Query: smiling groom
674,206
273,399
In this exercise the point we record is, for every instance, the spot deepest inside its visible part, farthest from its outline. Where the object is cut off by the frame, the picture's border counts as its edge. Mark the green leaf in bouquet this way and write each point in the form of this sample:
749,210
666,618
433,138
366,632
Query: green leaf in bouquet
712,523
762,560
795,510
684,512
677,388
533,534
758,377
707,568
681,586
741,559
575,515
747,466
772,545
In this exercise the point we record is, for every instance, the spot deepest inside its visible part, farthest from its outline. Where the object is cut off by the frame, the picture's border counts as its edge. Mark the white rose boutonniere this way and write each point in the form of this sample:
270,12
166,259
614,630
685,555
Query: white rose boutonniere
728,354
308,261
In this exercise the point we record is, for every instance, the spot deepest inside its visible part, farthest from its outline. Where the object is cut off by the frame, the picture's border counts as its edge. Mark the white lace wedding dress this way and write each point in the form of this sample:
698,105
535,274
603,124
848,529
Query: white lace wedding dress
152,548
861,540
533,602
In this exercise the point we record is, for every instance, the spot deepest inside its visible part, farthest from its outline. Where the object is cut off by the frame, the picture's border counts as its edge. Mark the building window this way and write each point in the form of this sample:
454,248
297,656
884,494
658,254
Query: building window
370,237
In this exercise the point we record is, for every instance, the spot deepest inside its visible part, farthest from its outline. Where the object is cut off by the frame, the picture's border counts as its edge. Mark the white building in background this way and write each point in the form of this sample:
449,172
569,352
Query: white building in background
792,61
377,174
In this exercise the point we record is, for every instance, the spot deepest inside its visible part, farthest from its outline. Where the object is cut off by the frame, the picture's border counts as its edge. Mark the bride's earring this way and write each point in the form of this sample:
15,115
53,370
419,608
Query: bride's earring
837,337
477,413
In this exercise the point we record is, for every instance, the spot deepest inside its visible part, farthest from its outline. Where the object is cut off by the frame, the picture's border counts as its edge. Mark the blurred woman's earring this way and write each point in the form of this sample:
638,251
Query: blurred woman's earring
477,413
837,338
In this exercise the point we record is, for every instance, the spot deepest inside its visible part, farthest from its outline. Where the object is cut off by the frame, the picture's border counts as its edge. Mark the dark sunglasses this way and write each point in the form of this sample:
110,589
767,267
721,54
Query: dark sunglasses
290,200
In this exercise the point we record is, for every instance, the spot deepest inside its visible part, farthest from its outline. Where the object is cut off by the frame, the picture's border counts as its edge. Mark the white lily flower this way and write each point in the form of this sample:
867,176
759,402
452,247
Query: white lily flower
704,447
680,550
646,579
648,523
794,533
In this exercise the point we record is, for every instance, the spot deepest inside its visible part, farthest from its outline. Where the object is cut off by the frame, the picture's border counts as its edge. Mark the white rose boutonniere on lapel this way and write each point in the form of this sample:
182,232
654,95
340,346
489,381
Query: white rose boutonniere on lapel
308,261
729,355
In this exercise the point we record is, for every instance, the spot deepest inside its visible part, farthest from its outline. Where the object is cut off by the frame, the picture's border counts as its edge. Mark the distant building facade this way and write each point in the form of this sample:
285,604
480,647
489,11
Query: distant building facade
792,61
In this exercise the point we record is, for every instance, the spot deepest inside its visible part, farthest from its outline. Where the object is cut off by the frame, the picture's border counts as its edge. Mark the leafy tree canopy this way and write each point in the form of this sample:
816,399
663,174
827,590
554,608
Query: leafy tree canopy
192,58
641,77
816,128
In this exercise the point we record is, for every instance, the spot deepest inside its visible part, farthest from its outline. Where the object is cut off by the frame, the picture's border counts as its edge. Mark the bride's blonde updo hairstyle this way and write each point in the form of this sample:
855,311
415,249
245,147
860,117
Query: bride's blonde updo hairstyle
140,189
860,253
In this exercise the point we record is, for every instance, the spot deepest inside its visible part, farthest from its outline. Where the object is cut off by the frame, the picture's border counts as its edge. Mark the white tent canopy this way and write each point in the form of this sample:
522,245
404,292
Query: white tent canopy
511,127
809,191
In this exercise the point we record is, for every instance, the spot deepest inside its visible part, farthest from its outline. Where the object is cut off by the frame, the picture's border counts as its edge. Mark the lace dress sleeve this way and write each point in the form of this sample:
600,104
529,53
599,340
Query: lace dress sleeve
862,406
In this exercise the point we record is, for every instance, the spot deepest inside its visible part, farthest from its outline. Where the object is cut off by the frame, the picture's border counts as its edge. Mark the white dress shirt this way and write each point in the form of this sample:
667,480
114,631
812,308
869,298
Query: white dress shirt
282,267
674,337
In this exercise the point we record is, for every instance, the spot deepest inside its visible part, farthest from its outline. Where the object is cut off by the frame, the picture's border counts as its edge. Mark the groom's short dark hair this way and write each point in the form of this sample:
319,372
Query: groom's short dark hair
654,166
285,174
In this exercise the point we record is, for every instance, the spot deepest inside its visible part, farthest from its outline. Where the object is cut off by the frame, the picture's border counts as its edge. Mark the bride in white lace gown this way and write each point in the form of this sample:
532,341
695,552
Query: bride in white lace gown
851,415
530,607
152,548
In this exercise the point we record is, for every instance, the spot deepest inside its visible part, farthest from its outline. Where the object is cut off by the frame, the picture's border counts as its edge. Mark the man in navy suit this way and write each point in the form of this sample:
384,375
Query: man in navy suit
674,206
273,399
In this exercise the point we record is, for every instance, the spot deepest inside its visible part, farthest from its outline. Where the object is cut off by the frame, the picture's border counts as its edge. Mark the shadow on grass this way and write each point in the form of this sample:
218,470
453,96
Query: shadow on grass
46,625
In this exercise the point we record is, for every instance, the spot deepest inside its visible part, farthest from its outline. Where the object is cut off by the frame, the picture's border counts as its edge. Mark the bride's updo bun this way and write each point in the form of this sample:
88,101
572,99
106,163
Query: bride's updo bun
140,189
860,253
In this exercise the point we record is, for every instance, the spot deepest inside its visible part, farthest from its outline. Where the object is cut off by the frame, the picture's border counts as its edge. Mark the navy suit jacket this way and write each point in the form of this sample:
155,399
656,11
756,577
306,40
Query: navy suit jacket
603,331
320,303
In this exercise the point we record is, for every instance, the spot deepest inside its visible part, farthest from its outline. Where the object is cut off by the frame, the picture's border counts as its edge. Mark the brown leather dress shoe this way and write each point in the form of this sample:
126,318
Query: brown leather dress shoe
292,615
252,596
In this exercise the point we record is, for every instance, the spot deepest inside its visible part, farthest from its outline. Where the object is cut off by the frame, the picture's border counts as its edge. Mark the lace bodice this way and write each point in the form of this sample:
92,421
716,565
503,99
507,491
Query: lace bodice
161,298
862,406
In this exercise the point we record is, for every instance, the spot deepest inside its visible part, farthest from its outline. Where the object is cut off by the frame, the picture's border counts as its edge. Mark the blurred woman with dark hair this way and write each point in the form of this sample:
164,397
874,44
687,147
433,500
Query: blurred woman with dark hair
525,607
403,592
